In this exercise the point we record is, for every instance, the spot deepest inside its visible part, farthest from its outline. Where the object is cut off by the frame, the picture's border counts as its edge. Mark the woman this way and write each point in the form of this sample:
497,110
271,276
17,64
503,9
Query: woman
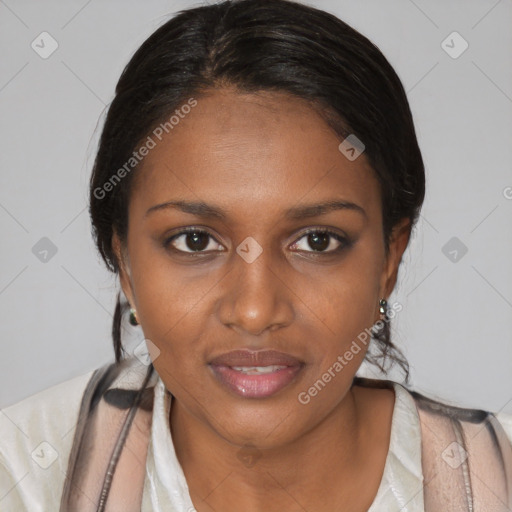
255,187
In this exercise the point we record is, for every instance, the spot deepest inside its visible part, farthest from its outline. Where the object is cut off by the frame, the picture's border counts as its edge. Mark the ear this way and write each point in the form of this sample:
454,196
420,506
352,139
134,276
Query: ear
124,268
398,241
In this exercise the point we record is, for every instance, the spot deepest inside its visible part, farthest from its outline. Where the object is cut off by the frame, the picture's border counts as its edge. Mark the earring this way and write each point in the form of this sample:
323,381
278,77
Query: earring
133,317
383,306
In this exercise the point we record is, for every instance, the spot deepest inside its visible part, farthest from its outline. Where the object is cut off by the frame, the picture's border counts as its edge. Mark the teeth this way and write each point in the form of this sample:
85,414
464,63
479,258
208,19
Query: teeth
255,370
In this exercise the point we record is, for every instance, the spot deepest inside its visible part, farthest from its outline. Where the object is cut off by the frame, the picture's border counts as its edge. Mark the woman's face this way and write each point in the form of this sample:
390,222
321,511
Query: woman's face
248,171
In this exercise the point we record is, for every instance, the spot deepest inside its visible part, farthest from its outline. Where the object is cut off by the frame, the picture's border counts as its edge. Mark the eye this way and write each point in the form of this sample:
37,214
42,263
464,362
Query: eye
192,240
321,241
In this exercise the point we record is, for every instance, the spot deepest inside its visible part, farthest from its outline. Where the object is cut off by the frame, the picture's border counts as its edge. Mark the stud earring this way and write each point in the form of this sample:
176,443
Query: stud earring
383,306
133,317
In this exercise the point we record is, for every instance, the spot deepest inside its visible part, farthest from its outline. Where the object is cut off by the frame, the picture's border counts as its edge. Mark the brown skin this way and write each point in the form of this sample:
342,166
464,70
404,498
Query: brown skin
255,156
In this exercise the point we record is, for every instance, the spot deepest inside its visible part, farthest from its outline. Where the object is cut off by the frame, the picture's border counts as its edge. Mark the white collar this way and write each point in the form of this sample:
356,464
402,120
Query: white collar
401,487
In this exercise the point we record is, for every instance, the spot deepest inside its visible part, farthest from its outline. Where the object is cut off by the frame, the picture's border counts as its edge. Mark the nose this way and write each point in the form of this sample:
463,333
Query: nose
255,296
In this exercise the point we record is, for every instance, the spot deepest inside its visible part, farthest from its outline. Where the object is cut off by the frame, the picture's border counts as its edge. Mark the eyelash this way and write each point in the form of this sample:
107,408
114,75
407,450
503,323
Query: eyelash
344,242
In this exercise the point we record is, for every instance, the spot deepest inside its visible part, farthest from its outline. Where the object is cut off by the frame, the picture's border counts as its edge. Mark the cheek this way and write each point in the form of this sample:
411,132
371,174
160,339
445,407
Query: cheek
346,305
169,298
349,294
172,308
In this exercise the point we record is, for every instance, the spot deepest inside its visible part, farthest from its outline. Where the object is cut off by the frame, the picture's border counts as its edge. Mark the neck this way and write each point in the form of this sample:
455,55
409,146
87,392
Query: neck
291,476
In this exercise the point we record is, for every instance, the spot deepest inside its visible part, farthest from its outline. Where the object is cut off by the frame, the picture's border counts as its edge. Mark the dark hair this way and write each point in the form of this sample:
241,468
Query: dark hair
261,45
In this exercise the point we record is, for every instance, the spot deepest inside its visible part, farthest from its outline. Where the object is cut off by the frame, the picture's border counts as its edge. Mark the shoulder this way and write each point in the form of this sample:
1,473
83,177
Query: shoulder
459,435
37,436
468,446
464,415
409,403
431,440
467,416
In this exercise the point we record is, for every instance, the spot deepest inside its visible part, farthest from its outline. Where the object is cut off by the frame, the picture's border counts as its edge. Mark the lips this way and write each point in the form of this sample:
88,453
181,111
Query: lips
255,374
255,358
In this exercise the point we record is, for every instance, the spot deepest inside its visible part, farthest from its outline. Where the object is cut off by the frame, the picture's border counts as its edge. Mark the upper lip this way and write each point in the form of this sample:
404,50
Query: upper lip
247,357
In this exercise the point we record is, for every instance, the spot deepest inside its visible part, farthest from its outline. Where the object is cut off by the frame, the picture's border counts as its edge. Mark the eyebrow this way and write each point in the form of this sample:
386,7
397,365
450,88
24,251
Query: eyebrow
315,210
202,209
195,207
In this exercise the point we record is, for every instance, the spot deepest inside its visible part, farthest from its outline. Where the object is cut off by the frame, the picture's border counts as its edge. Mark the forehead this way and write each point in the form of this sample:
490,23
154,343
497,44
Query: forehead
251,150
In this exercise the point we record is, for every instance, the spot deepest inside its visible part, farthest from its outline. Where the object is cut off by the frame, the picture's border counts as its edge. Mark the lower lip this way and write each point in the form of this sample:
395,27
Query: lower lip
255,386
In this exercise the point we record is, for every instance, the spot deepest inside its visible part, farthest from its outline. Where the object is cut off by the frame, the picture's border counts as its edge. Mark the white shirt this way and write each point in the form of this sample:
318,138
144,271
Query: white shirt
37,435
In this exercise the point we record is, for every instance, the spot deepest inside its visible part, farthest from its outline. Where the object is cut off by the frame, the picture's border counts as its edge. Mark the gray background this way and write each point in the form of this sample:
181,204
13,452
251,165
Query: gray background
456,323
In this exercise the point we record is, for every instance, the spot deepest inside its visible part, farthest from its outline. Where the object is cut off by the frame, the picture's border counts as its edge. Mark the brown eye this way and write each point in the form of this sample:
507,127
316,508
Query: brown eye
191,240
322,241
319,241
